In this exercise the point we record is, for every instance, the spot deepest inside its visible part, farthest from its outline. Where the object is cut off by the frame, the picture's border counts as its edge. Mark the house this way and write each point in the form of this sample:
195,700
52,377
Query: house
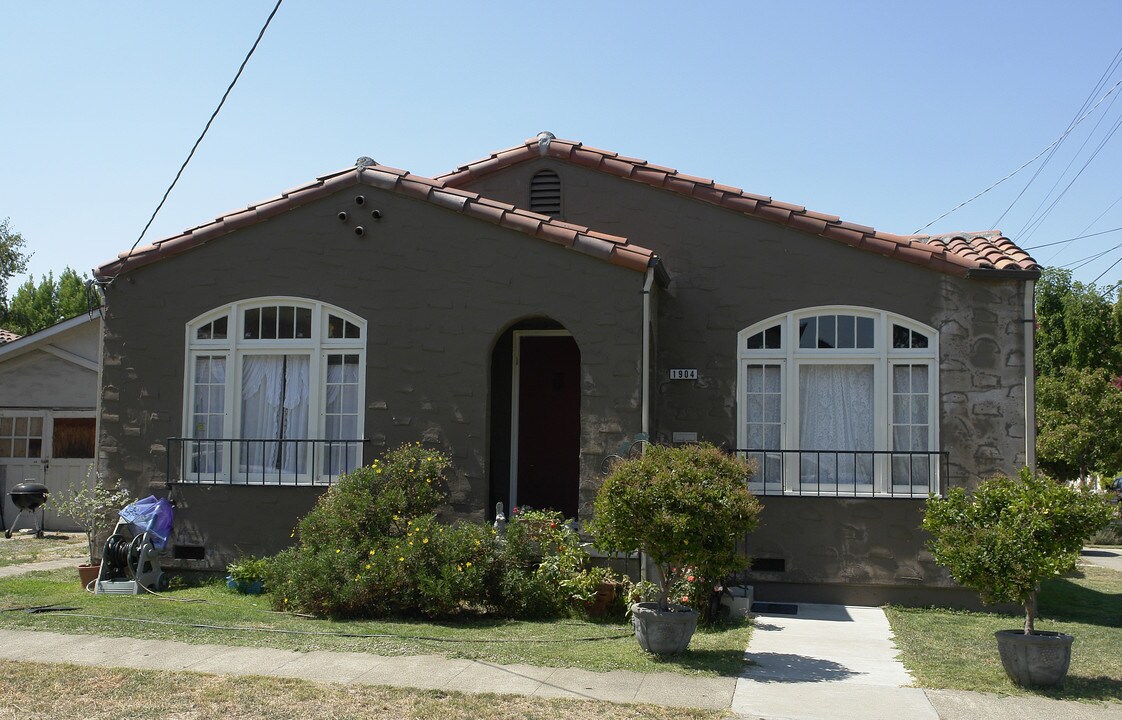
48,404
543,309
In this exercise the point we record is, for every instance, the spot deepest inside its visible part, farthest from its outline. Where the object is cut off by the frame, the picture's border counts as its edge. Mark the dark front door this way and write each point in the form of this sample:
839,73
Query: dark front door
548,422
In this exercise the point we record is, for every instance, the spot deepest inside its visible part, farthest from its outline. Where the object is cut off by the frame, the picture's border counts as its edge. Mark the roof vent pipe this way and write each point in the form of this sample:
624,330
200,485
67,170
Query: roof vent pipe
544,137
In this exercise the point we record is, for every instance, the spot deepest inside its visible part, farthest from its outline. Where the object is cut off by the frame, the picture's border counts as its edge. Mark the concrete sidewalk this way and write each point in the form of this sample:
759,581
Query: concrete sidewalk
430,672
11,570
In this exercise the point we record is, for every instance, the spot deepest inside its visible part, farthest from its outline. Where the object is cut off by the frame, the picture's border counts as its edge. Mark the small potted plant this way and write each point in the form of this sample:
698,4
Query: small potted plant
247,576
685,507
1003,541
93,506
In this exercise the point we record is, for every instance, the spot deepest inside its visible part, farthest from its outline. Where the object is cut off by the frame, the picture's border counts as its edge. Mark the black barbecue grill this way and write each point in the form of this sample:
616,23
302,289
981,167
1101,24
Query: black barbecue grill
28,496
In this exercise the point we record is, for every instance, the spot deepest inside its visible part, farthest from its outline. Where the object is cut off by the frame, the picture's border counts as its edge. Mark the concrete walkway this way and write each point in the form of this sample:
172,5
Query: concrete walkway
10,570
827,661
1103,557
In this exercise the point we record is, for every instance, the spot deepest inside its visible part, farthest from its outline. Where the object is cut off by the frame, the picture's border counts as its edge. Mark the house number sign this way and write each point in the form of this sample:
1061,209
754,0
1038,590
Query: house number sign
683,373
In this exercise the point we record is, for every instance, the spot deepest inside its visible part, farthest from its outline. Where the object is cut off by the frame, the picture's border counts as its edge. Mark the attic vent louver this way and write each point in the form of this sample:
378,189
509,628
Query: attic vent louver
545,193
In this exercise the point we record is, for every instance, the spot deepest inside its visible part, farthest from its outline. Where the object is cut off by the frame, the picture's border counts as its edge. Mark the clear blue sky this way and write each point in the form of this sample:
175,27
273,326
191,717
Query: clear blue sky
885,113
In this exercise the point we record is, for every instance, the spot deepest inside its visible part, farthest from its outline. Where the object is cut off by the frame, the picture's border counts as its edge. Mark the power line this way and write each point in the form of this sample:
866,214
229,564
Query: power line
195,147
1056,142
1104,272
1080,237
1088,227
1098,86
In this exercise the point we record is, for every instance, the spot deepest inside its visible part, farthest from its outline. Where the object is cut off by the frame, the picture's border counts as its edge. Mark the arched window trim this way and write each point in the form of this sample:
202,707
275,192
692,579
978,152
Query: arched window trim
222,408
780,369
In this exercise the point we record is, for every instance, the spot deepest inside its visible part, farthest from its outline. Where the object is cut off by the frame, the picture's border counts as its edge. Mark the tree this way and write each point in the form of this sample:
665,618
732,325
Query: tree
1078,325
1079,422
13,260
34,307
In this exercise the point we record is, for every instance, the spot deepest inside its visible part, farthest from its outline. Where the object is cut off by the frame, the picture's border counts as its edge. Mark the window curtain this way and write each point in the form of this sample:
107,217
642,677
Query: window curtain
208,416
341,414
836,416
275,391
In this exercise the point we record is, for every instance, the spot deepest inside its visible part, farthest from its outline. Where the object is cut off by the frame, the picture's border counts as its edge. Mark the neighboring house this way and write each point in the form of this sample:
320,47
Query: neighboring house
861,370
48,403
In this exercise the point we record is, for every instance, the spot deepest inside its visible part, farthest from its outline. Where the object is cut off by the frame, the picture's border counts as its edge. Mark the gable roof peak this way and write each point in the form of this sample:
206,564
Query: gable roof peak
952,253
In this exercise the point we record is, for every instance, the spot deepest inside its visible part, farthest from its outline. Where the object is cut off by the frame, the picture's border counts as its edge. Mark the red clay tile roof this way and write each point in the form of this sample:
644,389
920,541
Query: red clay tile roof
6,336
614,249
954,253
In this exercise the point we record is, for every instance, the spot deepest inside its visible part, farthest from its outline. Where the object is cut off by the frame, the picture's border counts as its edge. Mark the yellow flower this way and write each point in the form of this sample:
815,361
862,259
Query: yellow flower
337,550
371,552
425,541
367,566
467,564
401,559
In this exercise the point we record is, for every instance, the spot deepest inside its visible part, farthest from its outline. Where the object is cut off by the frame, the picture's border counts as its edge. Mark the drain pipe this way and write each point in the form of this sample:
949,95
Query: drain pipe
646,378
1030,375
646,350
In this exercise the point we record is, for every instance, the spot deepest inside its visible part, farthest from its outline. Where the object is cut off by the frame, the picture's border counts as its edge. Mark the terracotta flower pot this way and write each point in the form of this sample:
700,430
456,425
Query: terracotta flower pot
663,632
1038,659
87,574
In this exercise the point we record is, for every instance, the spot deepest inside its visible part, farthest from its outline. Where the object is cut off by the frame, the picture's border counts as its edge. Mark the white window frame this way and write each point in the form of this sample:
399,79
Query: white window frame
882,357
234,348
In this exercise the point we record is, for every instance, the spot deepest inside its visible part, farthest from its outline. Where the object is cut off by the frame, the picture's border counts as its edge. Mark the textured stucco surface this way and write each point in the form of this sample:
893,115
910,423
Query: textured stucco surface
729,272
437,290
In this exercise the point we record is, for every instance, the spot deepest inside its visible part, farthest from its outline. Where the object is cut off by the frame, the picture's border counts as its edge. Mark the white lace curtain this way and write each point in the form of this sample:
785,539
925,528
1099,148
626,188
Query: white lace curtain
836,414
275,407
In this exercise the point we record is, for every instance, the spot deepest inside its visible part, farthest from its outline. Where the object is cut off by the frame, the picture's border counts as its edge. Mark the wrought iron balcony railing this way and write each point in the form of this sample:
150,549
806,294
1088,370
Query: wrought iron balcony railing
246,461
847,473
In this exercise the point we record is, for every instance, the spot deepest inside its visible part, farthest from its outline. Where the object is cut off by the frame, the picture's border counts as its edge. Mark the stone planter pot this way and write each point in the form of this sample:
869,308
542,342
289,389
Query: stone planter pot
661,632
1038,659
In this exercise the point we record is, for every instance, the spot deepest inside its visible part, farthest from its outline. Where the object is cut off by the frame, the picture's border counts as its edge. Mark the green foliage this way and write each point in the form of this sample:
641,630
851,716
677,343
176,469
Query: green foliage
1012,534
13,261
35,307
249,569
1079,423
686,507
373,547
1078,326
94,509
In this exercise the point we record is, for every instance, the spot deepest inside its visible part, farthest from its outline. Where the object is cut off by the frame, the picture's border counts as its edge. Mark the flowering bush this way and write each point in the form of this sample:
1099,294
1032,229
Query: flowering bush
685,507
373,546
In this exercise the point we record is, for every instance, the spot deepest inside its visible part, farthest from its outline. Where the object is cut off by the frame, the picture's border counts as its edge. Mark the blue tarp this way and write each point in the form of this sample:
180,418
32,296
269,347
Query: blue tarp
152,515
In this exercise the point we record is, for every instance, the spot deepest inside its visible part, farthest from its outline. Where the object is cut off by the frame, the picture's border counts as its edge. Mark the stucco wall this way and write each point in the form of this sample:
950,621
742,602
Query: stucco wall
37,379
437,290
729,272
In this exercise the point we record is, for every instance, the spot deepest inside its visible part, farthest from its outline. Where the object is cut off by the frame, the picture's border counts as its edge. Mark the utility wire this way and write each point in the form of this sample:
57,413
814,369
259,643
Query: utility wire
1080,237
1035,224
1098,86
1104,272
201,135
1056,142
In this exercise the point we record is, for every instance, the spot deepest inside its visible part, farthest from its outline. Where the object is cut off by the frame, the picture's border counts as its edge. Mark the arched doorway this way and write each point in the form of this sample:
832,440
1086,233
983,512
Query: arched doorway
535,417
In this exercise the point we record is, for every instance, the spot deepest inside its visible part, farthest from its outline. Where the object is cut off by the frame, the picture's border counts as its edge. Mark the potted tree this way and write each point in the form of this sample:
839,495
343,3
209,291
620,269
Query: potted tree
1003,541
94,507
684,507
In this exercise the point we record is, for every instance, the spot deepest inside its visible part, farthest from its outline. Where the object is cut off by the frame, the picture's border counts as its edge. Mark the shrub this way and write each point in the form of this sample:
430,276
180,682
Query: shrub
686,507
1011,535
93,508
372,546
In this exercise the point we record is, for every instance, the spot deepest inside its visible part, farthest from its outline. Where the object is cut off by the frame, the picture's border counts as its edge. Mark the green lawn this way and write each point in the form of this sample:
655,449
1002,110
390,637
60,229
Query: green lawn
37,690
556,643
956,650
21,549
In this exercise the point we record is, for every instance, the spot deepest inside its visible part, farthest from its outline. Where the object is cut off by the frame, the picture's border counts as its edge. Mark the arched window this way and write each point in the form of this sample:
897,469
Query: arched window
545,193
840,400
274,392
